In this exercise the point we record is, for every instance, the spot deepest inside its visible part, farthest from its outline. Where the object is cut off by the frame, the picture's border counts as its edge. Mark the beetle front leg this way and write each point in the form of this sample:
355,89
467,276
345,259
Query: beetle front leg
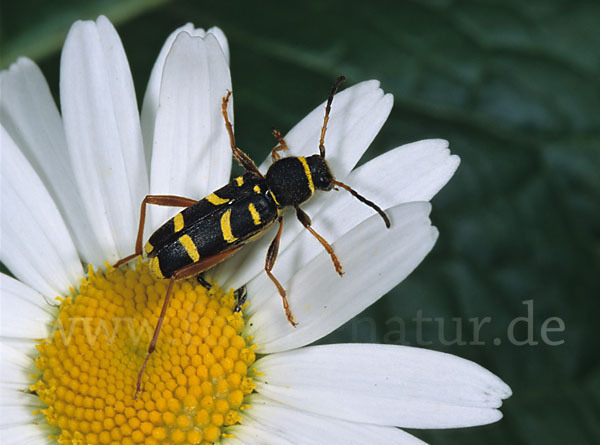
282,146
243,159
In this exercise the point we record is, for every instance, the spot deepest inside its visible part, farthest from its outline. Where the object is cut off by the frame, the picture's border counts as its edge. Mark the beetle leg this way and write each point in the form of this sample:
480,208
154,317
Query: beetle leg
205,284
282,146
244,160
305,220
185,272
152,346
159,200
269,263
240,297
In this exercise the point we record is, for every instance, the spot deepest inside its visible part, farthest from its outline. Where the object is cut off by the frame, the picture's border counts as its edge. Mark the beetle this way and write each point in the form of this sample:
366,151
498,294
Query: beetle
214,228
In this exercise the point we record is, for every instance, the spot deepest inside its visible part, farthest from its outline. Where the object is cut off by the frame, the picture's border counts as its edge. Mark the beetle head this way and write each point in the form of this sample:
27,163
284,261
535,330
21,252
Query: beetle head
320,172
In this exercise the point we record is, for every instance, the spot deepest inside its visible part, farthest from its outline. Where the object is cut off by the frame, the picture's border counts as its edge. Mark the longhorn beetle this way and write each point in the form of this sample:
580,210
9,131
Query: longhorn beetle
211,230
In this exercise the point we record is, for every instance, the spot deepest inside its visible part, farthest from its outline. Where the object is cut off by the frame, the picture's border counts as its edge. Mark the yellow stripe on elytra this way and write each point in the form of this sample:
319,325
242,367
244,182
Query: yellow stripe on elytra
240,181
178,222
311,185
155,268
189,247
226,227
216,200
255,214
148,247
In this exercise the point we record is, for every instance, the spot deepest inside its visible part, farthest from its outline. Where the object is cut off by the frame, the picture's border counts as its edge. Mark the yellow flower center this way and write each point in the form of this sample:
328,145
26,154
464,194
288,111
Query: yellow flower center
193,386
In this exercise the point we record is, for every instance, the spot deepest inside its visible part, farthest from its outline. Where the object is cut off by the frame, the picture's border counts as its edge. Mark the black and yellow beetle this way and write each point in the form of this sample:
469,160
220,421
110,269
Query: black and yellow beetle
209,231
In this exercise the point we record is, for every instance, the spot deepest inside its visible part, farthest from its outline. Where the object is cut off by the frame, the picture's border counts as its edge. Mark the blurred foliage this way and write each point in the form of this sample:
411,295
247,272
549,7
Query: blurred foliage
37,28
513,85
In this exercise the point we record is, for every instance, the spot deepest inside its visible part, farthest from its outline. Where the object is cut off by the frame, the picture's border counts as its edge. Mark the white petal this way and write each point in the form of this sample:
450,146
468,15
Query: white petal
29,115
150,106
255,433
222,39
26,434
36,245
412,172
191,154
23,312
357,115
15,368
27,345
11,397
305,428
103,133
17,408
374,260
384,385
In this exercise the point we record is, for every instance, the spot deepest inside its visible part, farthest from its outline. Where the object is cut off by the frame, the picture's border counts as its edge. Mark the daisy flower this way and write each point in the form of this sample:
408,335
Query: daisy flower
72,339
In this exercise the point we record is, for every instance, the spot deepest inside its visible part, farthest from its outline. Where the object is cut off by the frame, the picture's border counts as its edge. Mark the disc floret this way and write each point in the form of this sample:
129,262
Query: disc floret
194,385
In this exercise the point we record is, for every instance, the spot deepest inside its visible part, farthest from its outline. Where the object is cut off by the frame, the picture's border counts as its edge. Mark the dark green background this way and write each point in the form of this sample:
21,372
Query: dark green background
513,85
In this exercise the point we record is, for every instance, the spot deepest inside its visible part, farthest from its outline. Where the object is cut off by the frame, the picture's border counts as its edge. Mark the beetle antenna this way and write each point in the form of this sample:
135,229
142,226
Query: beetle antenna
365,201
336,84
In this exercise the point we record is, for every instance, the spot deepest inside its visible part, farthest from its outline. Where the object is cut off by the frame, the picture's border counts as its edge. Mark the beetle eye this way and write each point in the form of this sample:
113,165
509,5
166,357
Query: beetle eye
325,182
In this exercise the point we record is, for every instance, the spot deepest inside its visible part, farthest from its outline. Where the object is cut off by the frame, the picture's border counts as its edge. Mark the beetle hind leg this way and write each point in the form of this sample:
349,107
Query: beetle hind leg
159,200
185,272
152,347
127,259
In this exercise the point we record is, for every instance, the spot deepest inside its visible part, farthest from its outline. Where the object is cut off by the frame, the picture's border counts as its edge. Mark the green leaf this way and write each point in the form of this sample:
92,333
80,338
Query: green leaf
37,28
514,87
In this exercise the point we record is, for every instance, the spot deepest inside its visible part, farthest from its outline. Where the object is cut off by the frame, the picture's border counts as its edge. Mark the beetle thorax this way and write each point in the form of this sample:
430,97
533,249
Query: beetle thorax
293,180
